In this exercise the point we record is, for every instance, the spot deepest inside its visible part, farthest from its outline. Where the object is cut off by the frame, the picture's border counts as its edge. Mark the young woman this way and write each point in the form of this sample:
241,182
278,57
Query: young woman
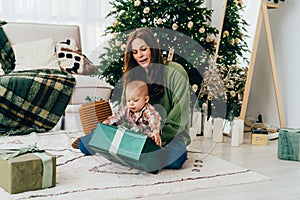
168,85
169,93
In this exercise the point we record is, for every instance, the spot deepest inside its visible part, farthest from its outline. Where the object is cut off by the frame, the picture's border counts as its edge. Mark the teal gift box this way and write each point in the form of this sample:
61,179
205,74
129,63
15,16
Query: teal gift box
27,171
126,147
289,144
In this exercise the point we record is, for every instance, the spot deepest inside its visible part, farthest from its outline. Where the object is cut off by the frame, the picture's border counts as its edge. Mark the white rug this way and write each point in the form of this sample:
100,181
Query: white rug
79,177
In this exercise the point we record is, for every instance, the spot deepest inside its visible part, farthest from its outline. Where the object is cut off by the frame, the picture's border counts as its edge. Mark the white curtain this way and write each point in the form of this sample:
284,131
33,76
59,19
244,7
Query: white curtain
88,14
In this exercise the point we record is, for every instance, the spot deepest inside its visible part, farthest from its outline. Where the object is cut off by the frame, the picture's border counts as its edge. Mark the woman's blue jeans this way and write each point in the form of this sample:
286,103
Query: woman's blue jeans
83,144
173,155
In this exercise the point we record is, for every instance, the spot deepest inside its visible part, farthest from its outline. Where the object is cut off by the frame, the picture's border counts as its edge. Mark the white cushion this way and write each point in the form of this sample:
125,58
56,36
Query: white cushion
90,86
37,54
18,32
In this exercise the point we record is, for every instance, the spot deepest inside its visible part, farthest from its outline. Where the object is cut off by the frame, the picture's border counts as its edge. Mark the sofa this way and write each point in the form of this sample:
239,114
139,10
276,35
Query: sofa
84,85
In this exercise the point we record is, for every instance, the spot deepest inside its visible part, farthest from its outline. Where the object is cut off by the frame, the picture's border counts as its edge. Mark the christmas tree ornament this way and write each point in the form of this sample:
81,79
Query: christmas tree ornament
232,93
202,30
118,43
195,88
174,26
190,24
137,3
115,35
115,23
146,10
159,21
208,39
123,47
225,34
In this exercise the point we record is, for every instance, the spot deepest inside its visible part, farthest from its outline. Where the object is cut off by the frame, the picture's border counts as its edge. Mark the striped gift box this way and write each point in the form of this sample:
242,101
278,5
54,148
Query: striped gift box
92,113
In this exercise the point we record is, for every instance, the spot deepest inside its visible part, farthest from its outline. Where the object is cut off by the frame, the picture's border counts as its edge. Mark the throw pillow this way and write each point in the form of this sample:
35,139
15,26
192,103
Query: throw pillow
72,60
7,57
37,54
68,43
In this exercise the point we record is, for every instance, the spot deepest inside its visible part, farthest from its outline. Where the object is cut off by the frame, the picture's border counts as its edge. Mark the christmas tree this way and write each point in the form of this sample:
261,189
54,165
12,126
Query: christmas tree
231,54
233,43
189,25
182,25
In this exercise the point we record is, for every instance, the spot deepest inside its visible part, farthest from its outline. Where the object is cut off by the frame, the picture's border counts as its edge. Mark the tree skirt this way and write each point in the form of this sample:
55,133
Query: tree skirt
80,176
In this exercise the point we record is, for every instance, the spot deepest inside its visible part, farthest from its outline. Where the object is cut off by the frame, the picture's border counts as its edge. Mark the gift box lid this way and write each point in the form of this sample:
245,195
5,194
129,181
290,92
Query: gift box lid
289,130
129,144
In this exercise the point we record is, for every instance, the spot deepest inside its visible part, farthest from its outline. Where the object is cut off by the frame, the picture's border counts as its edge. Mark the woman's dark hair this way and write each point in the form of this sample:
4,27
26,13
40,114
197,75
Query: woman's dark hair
155,71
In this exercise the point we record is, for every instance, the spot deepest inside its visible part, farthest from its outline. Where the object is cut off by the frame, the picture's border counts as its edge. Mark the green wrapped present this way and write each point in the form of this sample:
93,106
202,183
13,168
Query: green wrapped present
289,144
126,147
26,169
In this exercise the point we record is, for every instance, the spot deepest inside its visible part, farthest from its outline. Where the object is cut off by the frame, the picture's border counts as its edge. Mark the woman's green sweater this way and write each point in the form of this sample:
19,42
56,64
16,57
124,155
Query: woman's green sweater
174,106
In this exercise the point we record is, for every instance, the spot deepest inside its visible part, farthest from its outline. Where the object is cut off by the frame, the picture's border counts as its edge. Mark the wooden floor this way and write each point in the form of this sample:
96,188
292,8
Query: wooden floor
285,183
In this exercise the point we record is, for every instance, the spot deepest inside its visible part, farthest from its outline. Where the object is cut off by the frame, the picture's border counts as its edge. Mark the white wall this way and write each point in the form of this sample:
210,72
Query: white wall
285,33
89,15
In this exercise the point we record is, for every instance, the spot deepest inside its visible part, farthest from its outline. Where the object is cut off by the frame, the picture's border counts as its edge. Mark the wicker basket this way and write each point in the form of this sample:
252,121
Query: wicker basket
92,113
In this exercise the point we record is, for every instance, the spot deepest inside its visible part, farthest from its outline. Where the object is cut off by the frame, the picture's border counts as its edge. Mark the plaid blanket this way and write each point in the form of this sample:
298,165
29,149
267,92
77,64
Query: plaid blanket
33,100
